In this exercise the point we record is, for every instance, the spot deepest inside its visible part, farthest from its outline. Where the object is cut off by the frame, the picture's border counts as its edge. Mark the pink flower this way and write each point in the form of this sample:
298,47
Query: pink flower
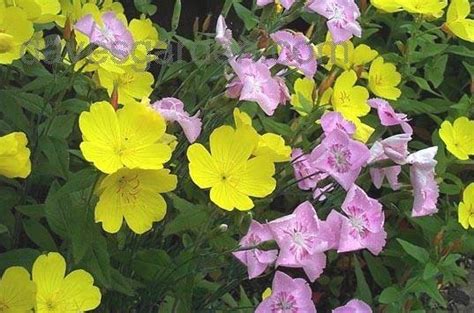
302,239
388,116
362,227
256,260
342,17
296,51
172,110
287,4
422,177
224,35
305,172
354,306
378,174
112,35
334,120
256,83
288,296
341,157
284,92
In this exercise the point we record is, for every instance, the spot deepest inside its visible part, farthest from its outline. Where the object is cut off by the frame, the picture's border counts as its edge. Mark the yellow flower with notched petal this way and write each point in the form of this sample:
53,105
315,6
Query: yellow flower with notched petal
429,8
60,293
466,208
390,6
17,291
270,145
14,156
458,137
230,171
133,195
128,138
457,21
348,99
15,31
132,86
383,79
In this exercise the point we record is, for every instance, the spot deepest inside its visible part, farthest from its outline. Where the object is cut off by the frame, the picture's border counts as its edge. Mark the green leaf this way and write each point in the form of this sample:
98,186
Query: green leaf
363,290
247,16
152,263
420,254
193,218
62,126
3,229
39,235
176,15
145,6
430,287
379,272
56,152
430,271
390,295
435,68
19,257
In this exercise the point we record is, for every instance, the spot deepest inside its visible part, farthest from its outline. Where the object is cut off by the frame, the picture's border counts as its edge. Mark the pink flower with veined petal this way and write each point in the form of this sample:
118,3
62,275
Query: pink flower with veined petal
362,227
288,296
422,177
334,120
296,51
342,17
113,35
388,116
302,239
354,306
254,82
256,260
341,157
172,110
307,176
224,35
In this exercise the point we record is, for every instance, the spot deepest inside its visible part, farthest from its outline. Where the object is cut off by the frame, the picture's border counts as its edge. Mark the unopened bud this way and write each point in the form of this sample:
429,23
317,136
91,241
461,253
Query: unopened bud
196,26
223,228
114,98
207,23
68,31
310,31
327,83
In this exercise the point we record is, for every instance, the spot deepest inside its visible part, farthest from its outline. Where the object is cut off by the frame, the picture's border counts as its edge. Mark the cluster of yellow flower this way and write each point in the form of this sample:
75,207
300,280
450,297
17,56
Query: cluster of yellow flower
49,290
456,18
345,97
240,164
128,145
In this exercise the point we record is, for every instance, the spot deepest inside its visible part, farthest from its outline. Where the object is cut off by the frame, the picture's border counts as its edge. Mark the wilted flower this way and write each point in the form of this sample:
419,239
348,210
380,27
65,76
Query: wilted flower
224,35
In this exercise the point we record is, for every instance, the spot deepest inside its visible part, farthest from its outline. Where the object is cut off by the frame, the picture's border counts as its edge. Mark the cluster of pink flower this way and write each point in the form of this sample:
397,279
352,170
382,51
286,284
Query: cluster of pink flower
302,237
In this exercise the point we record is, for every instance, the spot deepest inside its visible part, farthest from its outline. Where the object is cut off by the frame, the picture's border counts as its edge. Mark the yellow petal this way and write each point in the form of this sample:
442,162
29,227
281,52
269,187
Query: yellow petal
227,197
150,207
108,211
202,168
256,180
78,289
48,273
17,291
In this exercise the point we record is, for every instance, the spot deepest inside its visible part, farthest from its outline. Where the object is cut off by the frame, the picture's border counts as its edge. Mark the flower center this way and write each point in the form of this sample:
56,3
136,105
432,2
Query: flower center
301,240
129,188
358,222
344,97
284,303
339,158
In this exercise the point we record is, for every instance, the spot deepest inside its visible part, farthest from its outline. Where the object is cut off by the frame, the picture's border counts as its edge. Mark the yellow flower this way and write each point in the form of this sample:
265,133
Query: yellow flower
269,145
344,55
132,86
466,208
348,99
390,6
133,195
458,137
75,9
14,156
17,291
429,8
126,138
145,34
273,147
60,293
383,79
229,170
303,99
457,21
40,11
15,31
